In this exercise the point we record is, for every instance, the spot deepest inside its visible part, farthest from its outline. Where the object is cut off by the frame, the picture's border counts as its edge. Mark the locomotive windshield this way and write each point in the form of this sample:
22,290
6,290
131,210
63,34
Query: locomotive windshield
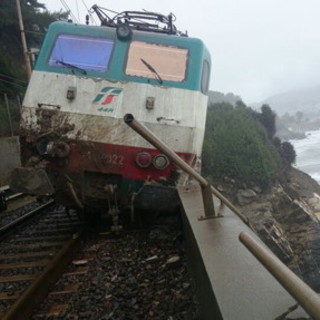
158,61
81,52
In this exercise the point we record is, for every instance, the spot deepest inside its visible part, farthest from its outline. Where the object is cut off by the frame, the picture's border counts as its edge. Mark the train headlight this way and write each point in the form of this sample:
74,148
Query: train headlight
160,161
124,32
42,146
143,159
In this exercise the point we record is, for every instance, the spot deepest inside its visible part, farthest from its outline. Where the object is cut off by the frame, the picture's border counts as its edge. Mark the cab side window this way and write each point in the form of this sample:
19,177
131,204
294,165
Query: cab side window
205,76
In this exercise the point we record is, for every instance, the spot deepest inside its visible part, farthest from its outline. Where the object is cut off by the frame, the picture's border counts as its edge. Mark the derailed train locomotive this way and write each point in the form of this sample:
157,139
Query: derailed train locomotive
74,142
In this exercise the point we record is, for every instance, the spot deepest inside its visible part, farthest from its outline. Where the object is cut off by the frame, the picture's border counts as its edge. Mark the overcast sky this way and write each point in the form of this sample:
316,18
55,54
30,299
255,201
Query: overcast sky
259,47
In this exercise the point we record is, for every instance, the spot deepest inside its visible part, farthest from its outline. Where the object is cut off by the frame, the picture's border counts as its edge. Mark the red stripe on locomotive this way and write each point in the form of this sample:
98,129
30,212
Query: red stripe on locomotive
116,159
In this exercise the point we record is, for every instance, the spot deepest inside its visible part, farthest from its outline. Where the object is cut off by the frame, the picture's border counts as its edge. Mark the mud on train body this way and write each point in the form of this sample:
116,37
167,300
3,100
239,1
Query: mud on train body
74,142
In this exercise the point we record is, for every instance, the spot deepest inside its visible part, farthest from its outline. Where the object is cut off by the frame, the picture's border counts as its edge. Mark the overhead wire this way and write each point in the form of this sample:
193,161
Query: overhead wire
77,6
15,84
89,12
35,32
69,10
73,17
12,78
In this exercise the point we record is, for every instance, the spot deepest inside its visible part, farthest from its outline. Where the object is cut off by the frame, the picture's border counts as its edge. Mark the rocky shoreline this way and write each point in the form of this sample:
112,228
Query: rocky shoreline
286,218
296,130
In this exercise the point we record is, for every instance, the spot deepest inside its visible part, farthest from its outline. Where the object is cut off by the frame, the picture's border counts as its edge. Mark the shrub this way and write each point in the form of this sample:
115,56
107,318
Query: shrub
237,145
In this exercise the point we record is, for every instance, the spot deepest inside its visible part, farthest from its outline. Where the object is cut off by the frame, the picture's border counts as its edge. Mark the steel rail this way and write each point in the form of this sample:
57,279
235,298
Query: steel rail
13,196
28,215
297,288
156,142
24,306
5,188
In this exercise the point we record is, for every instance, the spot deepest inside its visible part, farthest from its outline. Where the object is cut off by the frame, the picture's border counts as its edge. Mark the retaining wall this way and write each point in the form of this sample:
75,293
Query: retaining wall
9,157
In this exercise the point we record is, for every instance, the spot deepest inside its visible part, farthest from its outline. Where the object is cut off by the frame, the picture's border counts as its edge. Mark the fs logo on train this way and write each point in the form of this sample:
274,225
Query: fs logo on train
106,96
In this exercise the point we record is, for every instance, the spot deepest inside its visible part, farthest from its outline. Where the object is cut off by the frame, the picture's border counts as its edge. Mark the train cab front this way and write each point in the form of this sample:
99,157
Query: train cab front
75,145
100,177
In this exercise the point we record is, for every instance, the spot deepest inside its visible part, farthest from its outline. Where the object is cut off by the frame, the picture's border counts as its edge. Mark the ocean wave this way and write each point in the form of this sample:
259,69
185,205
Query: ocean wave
316,176
308,154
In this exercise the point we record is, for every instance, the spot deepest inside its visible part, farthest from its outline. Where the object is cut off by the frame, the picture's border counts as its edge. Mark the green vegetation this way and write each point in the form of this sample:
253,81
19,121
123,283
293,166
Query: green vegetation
239,143
287,153
13,78
267,118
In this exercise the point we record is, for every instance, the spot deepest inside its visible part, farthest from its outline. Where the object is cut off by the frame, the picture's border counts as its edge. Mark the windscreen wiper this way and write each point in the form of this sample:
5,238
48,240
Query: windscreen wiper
153,70
71,66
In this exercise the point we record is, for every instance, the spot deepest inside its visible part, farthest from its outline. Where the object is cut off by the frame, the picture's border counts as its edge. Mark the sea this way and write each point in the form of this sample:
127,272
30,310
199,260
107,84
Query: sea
308,154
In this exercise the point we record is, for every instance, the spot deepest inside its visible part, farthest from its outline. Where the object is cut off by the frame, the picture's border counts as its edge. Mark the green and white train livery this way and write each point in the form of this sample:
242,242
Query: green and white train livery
86,78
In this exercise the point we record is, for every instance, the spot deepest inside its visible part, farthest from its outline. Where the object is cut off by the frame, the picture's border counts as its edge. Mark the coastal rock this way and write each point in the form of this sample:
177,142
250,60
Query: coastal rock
257,189
286,218
245,196
290,228
314,203
220,188
268,229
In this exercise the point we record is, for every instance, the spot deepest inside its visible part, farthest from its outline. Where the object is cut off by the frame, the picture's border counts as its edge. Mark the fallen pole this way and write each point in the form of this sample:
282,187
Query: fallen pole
298,289
151,138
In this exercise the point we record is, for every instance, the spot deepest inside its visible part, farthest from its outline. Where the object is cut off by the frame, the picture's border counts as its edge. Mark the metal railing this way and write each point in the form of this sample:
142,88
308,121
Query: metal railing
151,138
298,289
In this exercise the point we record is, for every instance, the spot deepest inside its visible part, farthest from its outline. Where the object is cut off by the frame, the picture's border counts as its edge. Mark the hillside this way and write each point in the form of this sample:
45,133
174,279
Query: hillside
239,144
219,97
306,100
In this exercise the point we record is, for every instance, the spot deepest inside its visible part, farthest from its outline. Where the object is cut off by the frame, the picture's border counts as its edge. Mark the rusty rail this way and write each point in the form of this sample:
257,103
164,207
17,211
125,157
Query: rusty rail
28,215
12,196
5,188
151,138
298,289
24,306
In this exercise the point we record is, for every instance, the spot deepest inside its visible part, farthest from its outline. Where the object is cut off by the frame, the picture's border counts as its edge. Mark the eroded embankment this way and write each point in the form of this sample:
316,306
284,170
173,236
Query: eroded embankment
287,219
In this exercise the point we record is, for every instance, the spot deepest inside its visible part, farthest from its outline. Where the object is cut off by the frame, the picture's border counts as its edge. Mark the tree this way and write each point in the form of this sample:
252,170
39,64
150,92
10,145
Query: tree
287,153
236,145
268,119
13,79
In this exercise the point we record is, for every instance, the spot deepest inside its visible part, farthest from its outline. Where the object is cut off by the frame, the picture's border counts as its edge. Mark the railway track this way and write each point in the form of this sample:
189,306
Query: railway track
136,274
12,201
29,255
11,220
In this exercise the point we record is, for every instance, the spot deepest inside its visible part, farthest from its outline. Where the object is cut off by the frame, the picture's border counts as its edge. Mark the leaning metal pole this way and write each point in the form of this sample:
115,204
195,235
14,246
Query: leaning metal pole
299,290
23,41
151,138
